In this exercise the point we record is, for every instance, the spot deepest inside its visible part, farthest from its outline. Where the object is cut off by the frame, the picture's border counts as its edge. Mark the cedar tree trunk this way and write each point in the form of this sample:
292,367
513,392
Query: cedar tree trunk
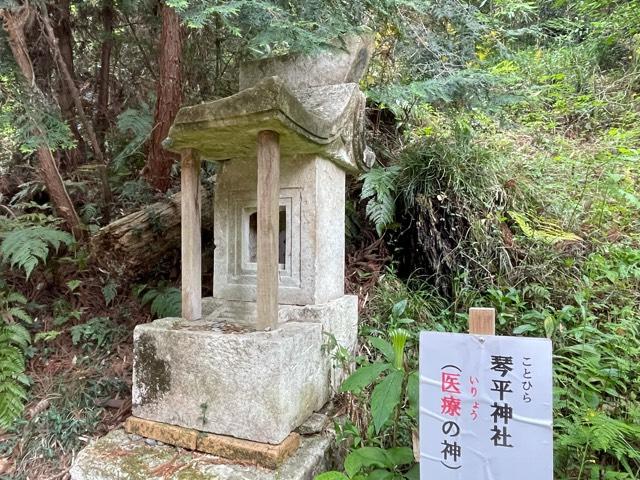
102,116
169,95
64,34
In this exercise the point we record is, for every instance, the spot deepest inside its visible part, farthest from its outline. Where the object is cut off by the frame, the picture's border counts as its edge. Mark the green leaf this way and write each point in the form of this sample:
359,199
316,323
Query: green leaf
28,247
109,291
379,188
399,308
73,284
46,336
365,457
413,391
414,473
383,347
549,326
385,397
400,456
380,475
520,329
332,476
363,377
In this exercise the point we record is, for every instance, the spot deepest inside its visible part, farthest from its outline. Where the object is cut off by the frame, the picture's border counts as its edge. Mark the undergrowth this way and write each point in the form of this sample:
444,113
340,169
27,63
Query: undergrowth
534,209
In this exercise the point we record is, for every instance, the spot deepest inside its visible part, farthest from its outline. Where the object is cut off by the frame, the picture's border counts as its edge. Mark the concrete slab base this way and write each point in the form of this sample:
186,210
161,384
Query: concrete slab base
234,449
122,456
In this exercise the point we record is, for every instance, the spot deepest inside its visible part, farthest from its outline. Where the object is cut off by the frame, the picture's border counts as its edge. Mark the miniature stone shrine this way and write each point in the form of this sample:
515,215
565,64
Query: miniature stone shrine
240,371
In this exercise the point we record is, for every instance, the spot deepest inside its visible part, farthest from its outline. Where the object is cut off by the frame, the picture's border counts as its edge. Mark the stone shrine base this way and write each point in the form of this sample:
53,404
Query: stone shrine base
220,376
123,456
230,448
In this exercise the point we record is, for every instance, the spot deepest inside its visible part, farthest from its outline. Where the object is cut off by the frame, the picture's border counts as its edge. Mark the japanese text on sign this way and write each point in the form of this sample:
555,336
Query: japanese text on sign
485,407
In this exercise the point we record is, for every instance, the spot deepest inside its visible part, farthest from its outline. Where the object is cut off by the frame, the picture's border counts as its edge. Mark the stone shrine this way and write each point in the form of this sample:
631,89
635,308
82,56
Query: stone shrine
253,362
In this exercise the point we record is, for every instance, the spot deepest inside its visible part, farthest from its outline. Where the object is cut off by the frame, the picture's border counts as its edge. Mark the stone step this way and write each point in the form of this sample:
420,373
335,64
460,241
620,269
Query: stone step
119,455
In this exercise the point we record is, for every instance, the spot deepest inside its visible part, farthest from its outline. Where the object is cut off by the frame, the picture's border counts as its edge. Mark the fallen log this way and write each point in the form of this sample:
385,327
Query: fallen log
135,243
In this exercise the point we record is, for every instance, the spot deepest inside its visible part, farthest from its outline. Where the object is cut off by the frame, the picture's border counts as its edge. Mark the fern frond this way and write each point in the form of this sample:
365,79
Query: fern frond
28,247
138,124
379,188
13,395
538,228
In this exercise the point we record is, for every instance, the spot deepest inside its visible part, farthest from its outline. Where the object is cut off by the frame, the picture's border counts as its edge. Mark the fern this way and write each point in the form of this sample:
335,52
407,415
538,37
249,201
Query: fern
14,339
28,247
379,188
138,124
540,229
164,301
13,382
466,86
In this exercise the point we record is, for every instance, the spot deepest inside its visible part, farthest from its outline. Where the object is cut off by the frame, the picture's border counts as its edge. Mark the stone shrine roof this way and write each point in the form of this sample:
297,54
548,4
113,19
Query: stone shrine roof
326,120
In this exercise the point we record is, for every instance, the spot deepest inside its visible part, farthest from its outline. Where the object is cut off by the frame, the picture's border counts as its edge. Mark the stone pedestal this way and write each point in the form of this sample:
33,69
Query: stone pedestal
224,378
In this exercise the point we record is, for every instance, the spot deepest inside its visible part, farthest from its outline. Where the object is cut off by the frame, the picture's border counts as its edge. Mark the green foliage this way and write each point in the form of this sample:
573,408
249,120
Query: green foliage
27,247
379,189
385,398
13,382
136,124
163,300
95,333
109,291
27,120
565,152
540,229
274,28
386,395
363,377
14,339
73,412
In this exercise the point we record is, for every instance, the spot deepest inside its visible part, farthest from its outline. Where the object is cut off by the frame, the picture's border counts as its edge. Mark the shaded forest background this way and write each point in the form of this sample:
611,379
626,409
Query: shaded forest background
507,142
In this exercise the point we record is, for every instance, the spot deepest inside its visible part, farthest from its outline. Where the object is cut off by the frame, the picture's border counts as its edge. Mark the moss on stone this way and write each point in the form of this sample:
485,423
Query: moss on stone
154,374
191,473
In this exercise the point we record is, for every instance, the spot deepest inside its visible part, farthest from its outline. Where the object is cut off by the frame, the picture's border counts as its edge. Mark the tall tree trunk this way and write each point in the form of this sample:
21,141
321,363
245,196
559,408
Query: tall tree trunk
14,24
102,116
169,95
64,34
88,126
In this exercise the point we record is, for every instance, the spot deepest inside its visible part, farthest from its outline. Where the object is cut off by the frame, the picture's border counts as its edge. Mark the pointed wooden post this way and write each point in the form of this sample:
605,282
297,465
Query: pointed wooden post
268,221
191,248
482,321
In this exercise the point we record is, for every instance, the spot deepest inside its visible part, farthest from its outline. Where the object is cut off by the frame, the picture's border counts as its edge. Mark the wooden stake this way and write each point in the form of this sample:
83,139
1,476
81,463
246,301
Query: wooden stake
482,321
191,250
268,221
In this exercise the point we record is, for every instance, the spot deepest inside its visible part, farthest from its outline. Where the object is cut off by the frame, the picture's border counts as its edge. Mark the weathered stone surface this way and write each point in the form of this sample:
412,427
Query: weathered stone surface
346,63
339,320
227,128
247,452
258,386
229,448
316,423
162,432
118,456
312,192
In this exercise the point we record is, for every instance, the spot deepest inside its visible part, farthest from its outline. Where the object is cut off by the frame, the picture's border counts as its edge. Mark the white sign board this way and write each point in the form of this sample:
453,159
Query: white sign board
485,407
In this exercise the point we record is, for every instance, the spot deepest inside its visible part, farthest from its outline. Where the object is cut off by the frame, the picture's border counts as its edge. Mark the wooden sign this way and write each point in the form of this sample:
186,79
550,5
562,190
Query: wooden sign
485,407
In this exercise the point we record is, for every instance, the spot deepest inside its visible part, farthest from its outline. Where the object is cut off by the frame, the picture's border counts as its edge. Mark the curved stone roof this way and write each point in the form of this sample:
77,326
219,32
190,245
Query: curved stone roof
325,120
